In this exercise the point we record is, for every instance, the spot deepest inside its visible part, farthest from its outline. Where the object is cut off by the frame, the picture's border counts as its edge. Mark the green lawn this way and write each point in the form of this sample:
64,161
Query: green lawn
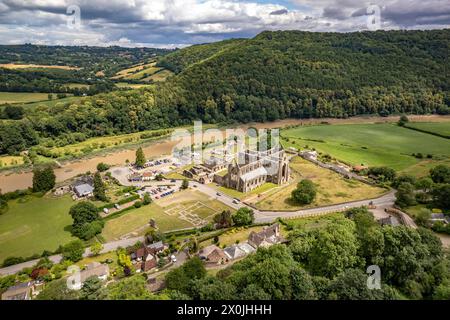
32,225
166,212
241,195
369,144
137,218
332,188
441,128
22,97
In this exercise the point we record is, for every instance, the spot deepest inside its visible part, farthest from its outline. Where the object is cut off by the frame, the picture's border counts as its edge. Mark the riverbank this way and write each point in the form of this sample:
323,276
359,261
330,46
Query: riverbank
14,180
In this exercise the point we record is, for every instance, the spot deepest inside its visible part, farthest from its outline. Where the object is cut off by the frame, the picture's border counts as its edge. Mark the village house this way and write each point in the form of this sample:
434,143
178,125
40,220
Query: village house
213,255
135,177
21,291
145,257
83,187
234,252
246,248
266,238
94,269
147,176
156,247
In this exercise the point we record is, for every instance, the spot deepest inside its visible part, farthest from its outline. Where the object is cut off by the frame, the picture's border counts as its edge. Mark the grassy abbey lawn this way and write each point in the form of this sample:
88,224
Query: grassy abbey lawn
331,188
369,144
241,195
166,212
32,225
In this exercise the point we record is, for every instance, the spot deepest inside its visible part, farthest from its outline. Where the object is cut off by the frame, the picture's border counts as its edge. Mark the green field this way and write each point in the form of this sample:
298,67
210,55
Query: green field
439,128
99,143
168,214
369,144
332,188
241,195
137,218
22,97
159,76
52,103
131,85
32,225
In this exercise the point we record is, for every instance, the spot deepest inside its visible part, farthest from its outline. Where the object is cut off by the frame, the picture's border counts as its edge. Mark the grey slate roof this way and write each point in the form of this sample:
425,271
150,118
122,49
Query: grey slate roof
83,189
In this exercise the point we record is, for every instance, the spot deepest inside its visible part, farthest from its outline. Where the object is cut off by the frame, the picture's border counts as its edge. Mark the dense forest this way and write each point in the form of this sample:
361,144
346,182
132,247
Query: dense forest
273,76
328,263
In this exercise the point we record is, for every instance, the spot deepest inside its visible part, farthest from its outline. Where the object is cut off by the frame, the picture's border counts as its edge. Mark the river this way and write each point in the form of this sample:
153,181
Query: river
10,181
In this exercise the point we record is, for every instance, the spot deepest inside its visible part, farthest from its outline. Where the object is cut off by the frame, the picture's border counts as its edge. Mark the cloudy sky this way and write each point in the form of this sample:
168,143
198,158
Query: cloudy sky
177,23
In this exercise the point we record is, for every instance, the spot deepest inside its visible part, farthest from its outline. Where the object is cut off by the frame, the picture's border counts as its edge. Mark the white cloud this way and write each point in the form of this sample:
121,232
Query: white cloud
168,22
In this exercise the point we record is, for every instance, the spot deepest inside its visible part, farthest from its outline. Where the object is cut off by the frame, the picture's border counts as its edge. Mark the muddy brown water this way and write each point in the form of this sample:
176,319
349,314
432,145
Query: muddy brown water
22,180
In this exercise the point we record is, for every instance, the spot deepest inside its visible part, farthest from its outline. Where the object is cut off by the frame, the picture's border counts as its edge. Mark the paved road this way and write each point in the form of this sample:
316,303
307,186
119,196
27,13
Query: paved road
107,247
269,216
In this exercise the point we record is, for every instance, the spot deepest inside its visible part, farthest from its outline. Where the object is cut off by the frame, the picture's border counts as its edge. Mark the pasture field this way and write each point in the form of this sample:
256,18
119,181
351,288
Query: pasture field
22,97
185,209
422,168
369,144
98,143
144,73
439,128
137,220
35,66
129,71
32,225
53,103
159,76
131,85
332,188
138,72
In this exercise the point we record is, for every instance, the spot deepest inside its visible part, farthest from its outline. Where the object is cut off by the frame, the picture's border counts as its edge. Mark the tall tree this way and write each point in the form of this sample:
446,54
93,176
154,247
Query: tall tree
99,188
140,158
243,217
132,288
334,250
43,179
93,289
73,251
304,193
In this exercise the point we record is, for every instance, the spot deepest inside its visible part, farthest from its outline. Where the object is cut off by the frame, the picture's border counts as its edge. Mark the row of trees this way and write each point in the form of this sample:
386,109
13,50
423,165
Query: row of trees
328,263
433,190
